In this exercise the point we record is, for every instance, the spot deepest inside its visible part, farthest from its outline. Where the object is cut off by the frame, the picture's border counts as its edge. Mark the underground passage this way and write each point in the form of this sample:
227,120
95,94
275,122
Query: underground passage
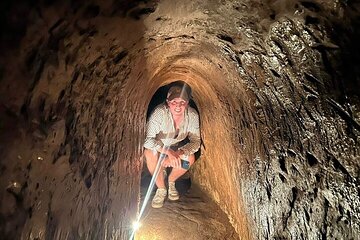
276,88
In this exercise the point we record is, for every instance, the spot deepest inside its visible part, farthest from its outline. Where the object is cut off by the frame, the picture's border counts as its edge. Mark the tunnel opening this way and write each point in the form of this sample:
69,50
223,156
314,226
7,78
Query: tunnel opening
207,99
216,105
227,120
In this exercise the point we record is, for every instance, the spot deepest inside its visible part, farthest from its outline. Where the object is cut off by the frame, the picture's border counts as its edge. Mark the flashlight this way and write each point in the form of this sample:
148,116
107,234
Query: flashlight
136,225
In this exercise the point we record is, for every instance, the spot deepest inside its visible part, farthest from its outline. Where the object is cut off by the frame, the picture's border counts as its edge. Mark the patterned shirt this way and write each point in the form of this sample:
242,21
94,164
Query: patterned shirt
160,130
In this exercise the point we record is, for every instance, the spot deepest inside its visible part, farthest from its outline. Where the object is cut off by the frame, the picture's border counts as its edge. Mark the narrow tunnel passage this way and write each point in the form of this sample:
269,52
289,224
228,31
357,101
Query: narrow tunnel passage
194,216
215,103
275,84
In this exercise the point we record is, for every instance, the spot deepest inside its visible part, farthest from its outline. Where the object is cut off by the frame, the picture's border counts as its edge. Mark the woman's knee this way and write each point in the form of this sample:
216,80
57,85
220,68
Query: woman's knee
150,155
191,159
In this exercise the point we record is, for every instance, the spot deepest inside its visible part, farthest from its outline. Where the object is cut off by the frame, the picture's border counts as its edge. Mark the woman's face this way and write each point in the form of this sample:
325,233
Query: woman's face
177,106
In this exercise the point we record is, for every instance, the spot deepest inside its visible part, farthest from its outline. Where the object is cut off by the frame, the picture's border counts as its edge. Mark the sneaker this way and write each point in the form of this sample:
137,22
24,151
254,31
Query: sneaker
173,193
159,198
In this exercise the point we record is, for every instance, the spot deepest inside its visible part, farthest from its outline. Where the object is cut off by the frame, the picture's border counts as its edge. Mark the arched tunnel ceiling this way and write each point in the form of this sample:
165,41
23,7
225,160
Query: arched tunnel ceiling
277,88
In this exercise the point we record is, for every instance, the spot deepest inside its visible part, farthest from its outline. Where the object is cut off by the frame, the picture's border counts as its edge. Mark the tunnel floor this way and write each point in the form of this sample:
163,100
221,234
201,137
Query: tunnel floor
193,216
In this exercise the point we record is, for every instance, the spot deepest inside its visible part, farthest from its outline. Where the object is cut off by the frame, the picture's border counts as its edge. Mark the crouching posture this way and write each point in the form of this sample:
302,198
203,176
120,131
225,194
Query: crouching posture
173,130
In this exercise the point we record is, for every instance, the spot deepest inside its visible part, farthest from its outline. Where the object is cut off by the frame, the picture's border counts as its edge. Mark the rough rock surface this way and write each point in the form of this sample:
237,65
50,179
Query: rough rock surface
276,84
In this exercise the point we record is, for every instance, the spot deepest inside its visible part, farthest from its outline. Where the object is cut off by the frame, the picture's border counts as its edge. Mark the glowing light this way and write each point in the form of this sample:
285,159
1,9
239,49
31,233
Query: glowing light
136,225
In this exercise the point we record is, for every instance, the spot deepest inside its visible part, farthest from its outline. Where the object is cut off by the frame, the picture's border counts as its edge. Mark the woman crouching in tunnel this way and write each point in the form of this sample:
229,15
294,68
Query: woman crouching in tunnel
172,130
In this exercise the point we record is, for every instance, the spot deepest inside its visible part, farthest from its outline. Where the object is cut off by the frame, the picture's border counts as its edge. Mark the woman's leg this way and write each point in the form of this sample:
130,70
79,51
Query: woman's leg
152,158
178,172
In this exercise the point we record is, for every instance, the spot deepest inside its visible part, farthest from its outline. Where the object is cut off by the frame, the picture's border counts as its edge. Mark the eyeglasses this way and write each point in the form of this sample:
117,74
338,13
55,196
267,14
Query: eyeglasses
175,103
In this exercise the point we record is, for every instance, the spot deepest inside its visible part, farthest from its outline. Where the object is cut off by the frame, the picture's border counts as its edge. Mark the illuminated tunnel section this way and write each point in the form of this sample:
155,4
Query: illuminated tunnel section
218,106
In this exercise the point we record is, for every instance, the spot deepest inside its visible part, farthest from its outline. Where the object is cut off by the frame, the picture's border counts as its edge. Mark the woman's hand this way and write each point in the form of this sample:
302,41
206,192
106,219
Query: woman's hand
173,159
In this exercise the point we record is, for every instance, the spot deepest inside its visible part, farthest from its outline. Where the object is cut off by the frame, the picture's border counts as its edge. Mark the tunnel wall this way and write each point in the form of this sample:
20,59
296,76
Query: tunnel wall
278,106
71,142
308,177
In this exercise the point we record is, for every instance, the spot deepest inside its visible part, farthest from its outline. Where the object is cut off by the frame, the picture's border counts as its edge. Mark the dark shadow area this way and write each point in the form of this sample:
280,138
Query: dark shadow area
12,29
350,72
347,72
